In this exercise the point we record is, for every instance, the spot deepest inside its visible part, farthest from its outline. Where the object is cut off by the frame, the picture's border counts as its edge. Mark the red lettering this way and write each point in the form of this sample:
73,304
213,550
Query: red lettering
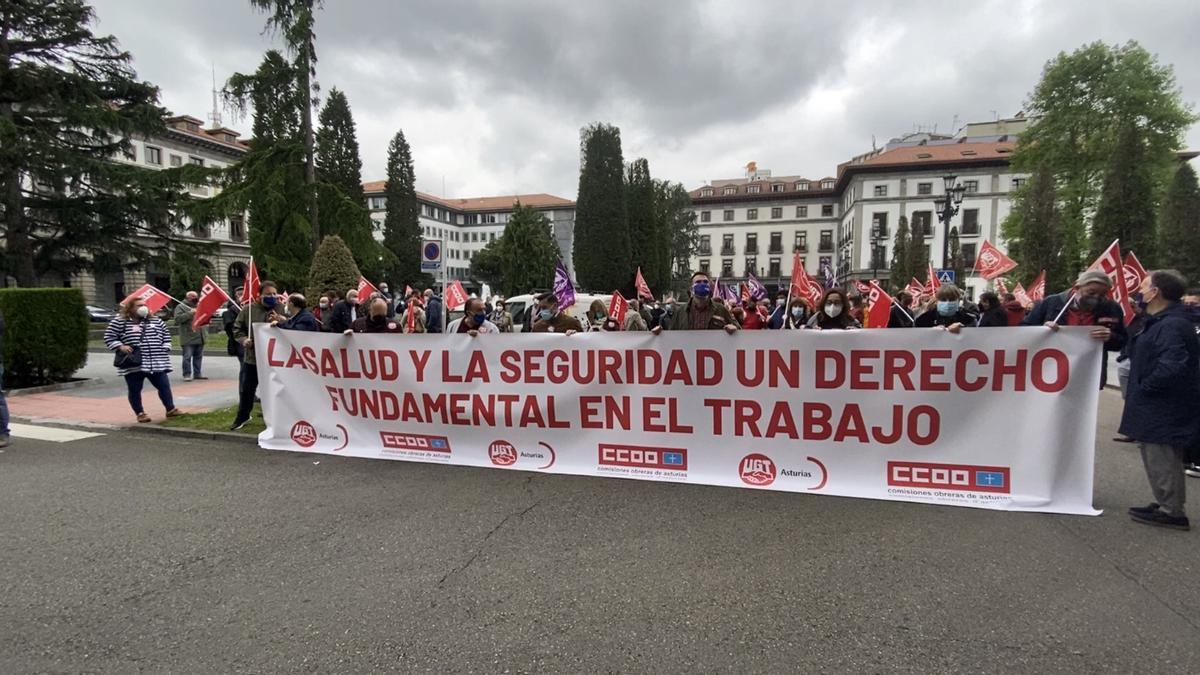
933,421
851,425
898,366
271,360
960,370
1062,371
588,413
816,421
745,418
929,370
860,370
837,377
1000,370
651,414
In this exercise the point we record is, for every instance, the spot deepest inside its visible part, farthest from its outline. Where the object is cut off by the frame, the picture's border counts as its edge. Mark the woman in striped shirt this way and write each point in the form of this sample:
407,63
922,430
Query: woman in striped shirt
136,331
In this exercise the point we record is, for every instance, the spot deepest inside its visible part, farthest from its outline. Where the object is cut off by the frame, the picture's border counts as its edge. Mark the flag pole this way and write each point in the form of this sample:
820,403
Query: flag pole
1065,306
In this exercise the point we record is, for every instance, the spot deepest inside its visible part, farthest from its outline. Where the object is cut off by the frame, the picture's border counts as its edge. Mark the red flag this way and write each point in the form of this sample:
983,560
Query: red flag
643,289
1110,263
155,299
991,261
934,283
1135,274
618,306
745,294
915,289
456,295
407,291
1037,290
411,317
1021,296
863,289
212,296
803,285
879,307
1001,286
252,285
365,288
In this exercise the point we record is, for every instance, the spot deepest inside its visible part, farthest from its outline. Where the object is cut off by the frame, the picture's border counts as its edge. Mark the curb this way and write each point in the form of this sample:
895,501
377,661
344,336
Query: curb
58,386
184,432
67,424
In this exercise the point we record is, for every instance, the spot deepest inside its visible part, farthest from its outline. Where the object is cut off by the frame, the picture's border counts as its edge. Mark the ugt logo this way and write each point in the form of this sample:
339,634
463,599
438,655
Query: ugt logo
757,470
304,434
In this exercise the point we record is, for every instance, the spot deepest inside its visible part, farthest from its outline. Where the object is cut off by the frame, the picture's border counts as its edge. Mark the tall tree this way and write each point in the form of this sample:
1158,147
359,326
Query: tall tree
1179,225
677,237
70,102
957,262
402,226
901,271
523,258
1078,106
602,249
643,220
1037,241
1127,210
333,269
918,252
339,170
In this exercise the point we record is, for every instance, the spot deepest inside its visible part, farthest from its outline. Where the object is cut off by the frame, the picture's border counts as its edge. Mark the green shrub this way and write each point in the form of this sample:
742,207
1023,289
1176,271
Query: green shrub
45,336
333,269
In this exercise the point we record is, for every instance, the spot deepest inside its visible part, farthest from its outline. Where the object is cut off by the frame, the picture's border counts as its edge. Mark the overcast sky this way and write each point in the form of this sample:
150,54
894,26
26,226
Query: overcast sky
492,94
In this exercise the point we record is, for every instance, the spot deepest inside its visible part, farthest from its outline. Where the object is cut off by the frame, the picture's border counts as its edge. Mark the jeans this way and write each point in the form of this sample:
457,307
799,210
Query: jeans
1164,469
248,381
193,356
160,381
3,405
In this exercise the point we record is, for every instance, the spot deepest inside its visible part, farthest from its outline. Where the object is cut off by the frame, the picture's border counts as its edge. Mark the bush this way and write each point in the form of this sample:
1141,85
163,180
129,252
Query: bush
333,269
45,336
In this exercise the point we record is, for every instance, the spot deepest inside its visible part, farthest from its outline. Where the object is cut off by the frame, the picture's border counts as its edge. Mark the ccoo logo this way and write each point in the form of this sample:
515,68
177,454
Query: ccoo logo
757,469
304,434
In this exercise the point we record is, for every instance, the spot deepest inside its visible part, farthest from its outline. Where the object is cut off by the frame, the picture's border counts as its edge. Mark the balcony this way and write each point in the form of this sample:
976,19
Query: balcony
705,250
751,249
728,250
826,246
801,248
775,249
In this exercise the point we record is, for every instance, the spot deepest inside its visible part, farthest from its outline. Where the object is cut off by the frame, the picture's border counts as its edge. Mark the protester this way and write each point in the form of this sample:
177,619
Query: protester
779,313
756,317
1135,326
596,315
833,313
142,344
4,430
1015,310
992,313
345,313
1191,301
323,312
633,317
857,306
1085,304
948,312
658,317
418,323
1162,406
899,315
301,318
191,342
376,320
261,310
391,300
550,319
474,321
232,346
797,315
433,312
699,312
500,316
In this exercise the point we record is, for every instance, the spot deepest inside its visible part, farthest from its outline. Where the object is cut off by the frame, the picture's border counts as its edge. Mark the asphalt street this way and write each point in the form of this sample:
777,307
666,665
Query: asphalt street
133,552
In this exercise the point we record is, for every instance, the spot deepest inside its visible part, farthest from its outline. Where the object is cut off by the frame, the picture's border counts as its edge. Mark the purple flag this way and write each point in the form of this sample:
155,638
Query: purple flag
757,290
726,292
564,290
827,270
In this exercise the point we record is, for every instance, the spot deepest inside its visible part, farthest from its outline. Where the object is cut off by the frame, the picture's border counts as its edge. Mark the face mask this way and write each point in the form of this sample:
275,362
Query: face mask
1138,301
1087,303
143,311
599,315
324,304
947,307
383,289
479,319
797,312
779,302
270,301
832,310
545,314
701,289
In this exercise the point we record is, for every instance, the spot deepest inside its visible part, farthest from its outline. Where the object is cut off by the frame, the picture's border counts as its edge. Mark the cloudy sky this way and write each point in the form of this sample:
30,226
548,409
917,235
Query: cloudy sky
492,94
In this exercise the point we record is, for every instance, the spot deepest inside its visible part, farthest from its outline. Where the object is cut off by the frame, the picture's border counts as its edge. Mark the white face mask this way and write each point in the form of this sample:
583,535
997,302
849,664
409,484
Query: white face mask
143,311
833,310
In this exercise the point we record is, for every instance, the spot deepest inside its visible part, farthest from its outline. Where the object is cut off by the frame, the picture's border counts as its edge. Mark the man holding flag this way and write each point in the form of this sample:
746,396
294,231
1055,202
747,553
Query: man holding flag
191,336
1085,304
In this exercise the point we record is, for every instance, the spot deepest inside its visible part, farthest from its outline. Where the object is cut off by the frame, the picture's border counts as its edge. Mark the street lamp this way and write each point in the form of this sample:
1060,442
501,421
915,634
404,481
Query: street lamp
947,208
876,237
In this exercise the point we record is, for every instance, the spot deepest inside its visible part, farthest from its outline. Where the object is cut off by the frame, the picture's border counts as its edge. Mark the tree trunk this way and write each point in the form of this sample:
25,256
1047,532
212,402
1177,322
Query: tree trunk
310,168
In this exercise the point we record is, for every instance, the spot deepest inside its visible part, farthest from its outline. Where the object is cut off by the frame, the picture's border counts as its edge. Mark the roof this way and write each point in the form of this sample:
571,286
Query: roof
538,200
938,153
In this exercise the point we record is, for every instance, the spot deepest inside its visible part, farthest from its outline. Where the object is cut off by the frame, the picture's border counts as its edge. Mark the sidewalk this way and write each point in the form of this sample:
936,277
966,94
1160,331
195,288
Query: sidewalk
105,404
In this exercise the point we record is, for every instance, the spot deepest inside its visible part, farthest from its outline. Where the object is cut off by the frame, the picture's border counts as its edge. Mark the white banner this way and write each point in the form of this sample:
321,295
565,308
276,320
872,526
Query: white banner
990,418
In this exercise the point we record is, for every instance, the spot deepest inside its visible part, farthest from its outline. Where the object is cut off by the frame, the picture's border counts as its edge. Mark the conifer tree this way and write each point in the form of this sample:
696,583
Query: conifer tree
401,226
1179,226
901,271
1126,209
602,249
1038,243
644,222
918,252
339,170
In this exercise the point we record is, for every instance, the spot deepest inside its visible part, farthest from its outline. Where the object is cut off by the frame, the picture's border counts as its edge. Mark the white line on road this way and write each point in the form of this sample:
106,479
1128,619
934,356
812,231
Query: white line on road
52,434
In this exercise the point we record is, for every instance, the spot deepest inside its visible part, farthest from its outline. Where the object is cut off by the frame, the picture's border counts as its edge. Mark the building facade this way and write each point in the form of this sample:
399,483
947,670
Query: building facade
465,226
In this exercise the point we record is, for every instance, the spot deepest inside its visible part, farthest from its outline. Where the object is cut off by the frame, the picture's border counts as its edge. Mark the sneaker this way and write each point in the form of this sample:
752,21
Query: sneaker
1192,470
1162,519
143,418
174,412
187,378
4,441
238,425
1153,507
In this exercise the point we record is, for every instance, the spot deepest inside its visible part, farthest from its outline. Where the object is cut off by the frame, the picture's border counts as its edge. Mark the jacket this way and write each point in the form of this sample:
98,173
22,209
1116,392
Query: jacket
367,324
184,314
150,336
559,324
1162,397
343,316
1107,314
304,320
433,315
898,318
1016,312
933,318
232,346
682,319
996,317
487,327
635,322
251,313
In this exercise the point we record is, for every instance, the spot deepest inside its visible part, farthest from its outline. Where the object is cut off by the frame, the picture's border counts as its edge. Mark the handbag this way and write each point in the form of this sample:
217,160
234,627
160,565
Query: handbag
133,359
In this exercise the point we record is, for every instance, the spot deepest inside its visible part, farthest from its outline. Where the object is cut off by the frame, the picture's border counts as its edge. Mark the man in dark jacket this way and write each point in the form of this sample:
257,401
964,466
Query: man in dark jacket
302,319
949,312
991,312
1162,402
899,316
550,319
345,313
264,309
232,346
700,312
1085,304
376,320
433,312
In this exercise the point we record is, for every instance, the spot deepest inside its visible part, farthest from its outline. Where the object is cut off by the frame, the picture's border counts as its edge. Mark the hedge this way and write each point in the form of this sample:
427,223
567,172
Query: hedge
45,335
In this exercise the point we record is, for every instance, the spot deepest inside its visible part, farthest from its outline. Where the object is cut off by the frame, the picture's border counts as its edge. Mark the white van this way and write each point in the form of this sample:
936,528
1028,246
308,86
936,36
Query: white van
519,306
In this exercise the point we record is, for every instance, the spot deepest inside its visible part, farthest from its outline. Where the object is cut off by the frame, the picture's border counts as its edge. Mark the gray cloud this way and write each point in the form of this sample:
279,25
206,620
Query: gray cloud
492,94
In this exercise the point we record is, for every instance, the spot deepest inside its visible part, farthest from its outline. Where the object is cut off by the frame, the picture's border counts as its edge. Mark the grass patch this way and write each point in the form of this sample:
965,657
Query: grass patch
217,343
218,420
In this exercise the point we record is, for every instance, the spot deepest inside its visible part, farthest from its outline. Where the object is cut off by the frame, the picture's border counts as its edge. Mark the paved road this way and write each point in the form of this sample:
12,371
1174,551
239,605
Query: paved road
147,553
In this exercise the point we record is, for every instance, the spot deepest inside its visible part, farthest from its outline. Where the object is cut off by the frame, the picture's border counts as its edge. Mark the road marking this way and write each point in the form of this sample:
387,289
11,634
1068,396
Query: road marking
52,434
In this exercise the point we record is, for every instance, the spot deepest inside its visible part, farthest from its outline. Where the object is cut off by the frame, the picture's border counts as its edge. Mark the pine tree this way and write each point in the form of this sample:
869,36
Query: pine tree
401,226
70,101
333,269
918,252
644,222
339,170
901,271
1126,209
523,258
1038,242
957,262
680,238
602,249
1179,225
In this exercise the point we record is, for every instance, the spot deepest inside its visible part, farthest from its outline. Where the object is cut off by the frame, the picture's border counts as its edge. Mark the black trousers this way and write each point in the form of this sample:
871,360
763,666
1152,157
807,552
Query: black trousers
248,388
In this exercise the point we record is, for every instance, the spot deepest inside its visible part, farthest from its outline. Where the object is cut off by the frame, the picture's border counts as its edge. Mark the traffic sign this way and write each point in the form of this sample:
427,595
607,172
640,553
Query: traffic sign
431,255
945,276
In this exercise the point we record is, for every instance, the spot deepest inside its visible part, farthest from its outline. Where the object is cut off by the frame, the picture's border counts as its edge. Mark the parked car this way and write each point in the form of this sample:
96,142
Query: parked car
99,314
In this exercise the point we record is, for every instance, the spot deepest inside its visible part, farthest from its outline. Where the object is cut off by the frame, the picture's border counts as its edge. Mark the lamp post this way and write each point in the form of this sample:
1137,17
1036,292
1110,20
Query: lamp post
876,237
947,208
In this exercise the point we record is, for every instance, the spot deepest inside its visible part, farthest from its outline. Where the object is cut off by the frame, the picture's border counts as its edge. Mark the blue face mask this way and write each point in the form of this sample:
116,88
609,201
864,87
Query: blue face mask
270,301
701,289
947,307
479,319
545,314
1138,301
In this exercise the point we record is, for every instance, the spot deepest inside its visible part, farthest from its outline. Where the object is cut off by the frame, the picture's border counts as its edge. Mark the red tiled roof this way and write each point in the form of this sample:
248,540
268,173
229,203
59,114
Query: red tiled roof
940,154
539,200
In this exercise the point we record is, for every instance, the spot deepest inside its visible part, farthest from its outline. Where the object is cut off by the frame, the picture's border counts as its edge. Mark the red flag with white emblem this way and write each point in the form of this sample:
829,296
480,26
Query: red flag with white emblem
155,299
365,288
643,289
618,306
1135,274
456,295
212,297
879,307
1037,290
1111,264
991,261
252,286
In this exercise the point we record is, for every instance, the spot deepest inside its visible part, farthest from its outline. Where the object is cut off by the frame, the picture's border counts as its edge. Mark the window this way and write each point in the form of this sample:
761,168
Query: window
801,211
196,161
753,189
727,215
879,225
1017,183
970,225
826,243
176,160
802,185
492,236
777,212
153,155
968,254
727,244
773,268
802,242
880,190
751,214
474,236
924,188
201,231
727,267
751,265
705,245
751,243
827,210
237,229
706,192
706,216
778,187
487,218
922,222
826,185
776,243
970,186
730,190
704,265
